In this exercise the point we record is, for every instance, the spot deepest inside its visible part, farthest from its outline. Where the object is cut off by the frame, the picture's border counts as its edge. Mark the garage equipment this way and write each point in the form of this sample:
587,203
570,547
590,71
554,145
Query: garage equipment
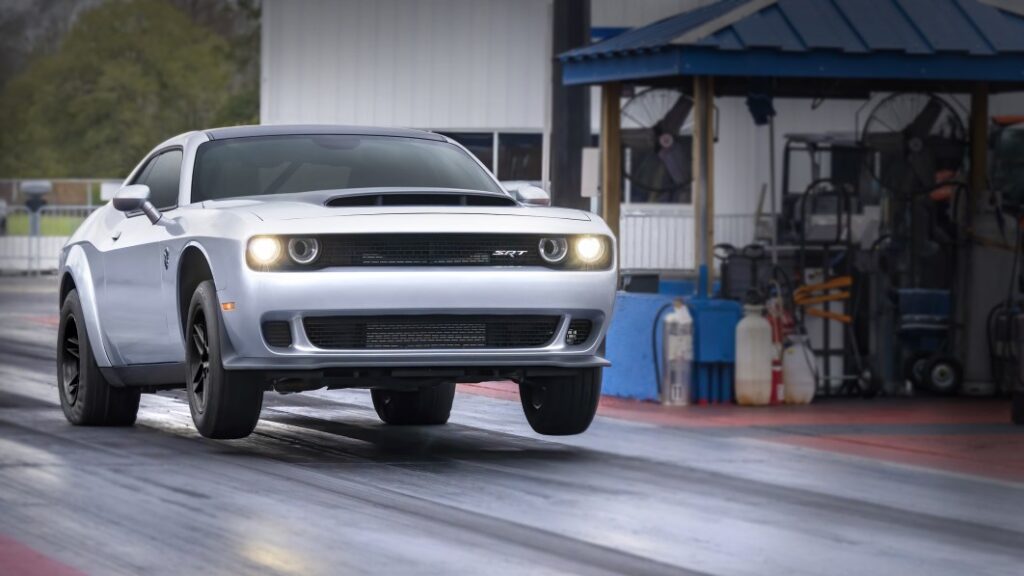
917,144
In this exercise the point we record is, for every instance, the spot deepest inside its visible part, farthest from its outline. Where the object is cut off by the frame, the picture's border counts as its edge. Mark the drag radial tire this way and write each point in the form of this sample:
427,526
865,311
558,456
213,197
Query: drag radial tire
561,405
85,395
224,405
427,406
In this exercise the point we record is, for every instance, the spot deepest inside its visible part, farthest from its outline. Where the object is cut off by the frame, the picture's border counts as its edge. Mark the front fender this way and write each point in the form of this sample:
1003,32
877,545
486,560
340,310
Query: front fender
82,263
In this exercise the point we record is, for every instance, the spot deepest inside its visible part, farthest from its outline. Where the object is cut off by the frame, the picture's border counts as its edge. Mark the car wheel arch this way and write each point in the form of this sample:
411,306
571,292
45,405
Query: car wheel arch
76,274
193,268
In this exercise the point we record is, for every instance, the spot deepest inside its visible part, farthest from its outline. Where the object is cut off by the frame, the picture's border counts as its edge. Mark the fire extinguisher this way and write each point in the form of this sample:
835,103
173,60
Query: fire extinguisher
677,340
782,324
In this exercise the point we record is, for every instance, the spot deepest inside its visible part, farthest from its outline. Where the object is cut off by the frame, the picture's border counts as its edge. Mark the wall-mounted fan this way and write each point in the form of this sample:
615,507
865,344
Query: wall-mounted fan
657,138
916,140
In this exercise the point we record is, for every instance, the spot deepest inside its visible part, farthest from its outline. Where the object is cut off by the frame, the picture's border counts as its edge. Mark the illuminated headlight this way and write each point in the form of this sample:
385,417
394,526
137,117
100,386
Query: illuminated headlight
303,250
589,249
264,250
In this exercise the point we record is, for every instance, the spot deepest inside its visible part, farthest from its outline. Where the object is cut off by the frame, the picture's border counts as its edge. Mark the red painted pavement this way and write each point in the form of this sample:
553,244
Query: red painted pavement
938,433
16,559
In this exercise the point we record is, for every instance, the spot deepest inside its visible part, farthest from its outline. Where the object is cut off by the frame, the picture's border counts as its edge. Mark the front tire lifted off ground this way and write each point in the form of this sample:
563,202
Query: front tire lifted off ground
561,405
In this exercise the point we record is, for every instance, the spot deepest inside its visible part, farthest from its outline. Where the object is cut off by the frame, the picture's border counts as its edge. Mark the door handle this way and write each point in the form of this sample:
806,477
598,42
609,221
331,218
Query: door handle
115,236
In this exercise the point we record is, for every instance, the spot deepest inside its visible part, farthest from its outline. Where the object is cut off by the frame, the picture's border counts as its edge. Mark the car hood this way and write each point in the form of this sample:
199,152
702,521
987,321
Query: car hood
312,205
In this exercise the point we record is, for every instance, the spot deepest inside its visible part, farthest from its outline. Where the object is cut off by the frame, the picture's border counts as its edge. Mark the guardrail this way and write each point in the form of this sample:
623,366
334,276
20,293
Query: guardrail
21,251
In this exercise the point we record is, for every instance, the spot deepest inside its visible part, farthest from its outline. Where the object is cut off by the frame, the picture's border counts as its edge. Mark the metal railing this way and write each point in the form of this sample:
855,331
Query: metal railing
22,251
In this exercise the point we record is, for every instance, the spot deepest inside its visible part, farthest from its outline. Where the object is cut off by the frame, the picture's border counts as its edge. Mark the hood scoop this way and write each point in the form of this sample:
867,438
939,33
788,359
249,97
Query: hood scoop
418,199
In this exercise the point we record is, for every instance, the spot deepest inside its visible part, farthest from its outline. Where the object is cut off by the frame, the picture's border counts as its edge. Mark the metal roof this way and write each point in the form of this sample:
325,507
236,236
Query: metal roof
313,129
917,39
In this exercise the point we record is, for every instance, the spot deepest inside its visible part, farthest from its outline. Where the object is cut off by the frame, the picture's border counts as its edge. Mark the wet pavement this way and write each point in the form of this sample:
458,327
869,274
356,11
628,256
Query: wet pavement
322,487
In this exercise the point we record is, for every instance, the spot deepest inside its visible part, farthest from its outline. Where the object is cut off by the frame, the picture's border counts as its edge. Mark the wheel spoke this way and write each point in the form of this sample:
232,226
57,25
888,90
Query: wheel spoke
199,340
72,386
197,375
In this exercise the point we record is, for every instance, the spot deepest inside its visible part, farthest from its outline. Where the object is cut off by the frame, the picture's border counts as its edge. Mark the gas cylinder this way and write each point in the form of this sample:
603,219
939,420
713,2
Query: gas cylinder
677,341
798,371
753,357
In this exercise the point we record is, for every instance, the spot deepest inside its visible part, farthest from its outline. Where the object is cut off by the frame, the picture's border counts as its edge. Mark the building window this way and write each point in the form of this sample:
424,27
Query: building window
519,157
480,144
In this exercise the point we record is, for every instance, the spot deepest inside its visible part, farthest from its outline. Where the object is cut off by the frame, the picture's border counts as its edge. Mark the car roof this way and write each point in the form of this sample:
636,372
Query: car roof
305,129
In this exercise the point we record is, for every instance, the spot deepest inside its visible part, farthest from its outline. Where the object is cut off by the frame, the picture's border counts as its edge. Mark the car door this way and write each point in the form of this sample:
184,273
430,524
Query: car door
134,295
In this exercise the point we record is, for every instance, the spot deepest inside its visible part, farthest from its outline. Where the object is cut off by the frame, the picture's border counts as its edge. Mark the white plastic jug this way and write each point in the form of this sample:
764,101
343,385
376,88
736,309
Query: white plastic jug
753,358
798,371
677,341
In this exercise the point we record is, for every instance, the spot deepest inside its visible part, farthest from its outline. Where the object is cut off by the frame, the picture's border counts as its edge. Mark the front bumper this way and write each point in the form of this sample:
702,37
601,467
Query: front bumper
292,296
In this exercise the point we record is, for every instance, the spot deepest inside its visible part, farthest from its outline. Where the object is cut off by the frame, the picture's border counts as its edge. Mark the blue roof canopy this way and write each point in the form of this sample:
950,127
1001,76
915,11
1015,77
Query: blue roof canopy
889,40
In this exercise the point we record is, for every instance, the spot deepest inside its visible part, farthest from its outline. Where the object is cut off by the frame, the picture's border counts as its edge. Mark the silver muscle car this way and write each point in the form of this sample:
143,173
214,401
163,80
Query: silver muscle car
289,258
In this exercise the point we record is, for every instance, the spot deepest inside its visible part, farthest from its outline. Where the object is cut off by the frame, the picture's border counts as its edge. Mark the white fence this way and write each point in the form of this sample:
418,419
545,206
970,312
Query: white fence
22,252
663,238
30,253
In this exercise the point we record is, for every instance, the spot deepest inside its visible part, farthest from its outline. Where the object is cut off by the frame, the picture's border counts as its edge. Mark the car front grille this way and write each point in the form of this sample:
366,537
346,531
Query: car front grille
429,332
431,250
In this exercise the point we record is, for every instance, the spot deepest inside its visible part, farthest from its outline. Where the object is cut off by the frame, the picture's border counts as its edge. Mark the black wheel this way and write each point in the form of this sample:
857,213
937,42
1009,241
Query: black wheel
426,406
561,405
943,376
222,403
85,395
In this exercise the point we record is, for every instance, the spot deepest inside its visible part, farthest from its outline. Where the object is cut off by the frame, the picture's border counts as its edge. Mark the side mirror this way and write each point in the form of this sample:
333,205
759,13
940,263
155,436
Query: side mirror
533,196
134,198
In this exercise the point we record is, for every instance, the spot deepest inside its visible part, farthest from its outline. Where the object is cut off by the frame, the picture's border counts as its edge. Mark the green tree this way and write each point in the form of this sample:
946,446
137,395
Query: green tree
129,74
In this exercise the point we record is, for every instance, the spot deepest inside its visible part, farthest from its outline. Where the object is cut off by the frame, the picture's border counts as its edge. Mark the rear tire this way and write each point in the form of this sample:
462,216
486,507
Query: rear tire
85,395
223,404
561,405
429,406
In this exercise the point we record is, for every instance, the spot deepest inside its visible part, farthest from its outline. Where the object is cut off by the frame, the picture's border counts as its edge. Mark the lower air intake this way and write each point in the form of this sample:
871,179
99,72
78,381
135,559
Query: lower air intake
277,333
429,332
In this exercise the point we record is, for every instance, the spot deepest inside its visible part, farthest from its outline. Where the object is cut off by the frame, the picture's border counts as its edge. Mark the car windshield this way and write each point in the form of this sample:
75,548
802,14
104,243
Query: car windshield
301,163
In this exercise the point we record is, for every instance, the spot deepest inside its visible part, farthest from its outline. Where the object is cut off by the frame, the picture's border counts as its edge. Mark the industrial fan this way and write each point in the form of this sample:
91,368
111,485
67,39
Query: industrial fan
917,141
657,138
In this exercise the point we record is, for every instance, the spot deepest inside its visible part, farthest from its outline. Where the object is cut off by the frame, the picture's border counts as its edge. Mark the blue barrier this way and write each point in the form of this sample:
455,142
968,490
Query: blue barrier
628,345
714,348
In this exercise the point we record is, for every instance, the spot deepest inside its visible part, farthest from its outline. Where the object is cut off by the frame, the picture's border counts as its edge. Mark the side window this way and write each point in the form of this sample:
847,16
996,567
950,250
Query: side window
162,174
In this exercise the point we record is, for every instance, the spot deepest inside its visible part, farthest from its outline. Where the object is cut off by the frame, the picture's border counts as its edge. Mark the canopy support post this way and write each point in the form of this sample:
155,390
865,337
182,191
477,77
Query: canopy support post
611,156
704,176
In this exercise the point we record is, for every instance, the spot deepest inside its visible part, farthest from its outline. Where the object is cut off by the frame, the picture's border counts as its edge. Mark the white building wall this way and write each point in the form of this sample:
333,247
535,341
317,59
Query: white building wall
435,64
